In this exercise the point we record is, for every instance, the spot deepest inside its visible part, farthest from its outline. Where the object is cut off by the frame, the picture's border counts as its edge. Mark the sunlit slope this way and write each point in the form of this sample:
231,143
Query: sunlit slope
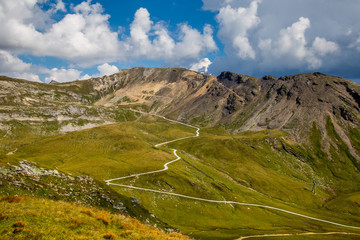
266,167
107,151
26,218
251,168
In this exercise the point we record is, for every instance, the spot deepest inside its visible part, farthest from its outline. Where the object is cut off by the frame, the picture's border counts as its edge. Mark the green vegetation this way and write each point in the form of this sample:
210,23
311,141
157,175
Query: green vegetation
315,140
266,167
26,218
255,167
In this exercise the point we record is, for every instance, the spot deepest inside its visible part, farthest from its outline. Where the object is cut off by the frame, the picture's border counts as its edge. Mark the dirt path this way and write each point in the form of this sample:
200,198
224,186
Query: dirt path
11,153
109,182
297,234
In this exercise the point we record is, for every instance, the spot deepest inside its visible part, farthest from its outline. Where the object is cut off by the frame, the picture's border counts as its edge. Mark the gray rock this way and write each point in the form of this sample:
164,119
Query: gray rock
119,206
134,200
16,183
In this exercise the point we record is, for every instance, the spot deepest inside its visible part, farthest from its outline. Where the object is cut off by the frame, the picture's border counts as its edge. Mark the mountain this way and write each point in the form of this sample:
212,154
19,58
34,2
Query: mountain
262,140
240,103
53,82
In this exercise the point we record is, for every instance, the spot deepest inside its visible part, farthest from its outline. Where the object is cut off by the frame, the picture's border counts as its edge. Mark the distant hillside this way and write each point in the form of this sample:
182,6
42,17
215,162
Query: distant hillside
294,104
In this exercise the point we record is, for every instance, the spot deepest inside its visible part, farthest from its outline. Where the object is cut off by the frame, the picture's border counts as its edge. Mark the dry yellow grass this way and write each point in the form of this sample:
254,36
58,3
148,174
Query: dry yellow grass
26,218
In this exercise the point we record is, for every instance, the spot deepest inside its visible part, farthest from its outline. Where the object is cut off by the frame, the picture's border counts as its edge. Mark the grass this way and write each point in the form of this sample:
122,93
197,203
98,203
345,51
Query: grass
264,167
30,218
354,134
314,237
251,167
106,151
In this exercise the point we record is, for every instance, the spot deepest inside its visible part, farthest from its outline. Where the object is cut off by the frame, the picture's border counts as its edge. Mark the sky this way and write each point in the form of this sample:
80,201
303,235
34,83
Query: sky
66,40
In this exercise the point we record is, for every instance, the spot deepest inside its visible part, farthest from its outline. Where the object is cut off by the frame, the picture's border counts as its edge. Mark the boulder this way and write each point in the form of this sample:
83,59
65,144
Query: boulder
135,200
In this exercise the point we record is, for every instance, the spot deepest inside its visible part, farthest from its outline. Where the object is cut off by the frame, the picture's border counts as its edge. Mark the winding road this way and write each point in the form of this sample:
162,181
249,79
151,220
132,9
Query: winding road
197,134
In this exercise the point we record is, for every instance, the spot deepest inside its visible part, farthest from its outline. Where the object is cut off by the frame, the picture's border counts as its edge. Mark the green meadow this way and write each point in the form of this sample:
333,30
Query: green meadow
266,167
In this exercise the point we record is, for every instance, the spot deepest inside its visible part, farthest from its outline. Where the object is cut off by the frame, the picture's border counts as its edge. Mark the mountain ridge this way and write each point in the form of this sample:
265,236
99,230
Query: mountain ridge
228,95
237,102
263,140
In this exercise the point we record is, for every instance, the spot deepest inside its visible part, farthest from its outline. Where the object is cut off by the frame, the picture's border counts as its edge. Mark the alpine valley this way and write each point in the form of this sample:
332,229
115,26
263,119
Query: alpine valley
152,153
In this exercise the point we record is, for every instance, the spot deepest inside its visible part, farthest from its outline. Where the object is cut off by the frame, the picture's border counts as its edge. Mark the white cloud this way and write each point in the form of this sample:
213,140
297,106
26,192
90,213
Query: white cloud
13,66
80,37
107,69
292,39
356,44
291,48
323,46
193,44
333,32
26,76
83,36
153,41
59,6
10,63
63,75
139,31
234,26
201,66
104,69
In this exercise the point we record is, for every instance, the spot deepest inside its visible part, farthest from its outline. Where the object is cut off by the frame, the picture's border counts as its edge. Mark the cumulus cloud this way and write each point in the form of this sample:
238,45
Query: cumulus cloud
323,47
104,69
80,36
107,69
83,37
201,66
292,50
153,41
259,38
27,76
139,31
10,63
356,44
13,66
63,75
234,26
193,43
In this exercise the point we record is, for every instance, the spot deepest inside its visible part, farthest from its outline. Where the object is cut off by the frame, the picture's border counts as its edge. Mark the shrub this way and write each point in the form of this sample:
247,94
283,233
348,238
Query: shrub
109,236
2,216
18,224
88,212
17,230
126,233
104,220
12,199
75,223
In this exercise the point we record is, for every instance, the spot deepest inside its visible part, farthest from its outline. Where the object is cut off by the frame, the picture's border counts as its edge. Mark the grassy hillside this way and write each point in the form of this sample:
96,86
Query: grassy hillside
107,151
27,218
266,167
251,167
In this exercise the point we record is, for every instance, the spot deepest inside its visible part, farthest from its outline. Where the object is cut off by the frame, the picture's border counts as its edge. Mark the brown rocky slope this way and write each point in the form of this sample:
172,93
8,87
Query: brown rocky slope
290,103
294,104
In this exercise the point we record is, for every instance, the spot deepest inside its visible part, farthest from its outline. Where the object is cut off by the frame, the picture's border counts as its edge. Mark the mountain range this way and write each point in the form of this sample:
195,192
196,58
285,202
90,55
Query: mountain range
274,137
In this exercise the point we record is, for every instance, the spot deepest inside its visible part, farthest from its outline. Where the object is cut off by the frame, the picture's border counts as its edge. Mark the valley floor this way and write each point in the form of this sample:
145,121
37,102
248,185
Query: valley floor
219,186
197,134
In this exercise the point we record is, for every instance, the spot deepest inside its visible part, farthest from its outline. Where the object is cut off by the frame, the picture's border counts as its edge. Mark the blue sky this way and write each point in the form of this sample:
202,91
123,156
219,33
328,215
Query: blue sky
65,40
